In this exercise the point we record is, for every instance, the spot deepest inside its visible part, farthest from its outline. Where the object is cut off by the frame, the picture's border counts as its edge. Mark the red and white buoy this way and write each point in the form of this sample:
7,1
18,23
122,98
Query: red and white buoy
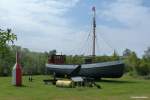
17,72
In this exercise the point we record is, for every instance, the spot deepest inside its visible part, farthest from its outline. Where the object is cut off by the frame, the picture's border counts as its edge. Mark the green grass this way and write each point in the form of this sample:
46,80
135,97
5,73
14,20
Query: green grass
112,89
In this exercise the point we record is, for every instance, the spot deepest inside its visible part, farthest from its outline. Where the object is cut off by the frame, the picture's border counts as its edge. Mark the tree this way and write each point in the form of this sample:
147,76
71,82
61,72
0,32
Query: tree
127,52
115,56
6,38
144,68
147,53
52,52
132,63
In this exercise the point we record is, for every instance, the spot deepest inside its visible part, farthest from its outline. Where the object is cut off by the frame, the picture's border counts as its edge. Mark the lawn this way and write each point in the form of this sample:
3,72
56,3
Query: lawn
112,89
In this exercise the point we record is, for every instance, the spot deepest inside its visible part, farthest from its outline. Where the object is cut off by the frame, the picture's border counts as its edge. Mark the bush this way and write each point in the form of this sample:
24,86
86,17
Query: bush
143,69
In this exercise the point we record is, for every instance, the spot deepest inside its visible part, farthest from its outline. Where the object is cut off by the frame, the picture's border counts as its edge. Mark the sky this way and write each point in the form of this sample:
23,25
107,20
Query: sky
64,25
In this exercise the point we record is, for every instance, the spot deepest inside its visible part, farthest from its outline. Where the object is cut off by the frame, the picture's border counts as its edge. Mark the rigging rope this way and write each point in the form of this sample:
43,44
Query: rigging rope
85,46
107,43
84,43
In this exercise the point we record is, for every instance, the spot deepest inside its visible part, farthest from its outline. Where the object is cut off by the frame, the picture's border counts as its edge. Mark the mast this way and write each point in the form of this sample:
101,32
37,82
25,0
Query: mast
94,30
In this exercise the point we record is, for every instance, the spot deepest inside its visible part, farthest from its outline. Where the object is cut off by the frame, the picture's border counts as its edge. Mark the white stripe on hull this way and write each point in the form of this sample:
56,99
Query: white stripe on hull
84,65
14,75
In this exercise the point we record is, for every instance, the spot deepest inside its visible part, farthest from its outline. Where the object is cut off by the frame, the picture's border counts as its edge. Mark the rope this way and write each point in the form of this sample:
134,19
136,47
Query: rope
83,44
108,44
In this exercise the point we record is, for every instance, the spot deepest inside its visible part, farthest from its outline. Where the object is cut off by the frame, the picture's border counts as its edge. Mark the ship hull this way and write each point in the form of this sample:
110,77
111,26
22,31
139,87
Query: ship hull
113,69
